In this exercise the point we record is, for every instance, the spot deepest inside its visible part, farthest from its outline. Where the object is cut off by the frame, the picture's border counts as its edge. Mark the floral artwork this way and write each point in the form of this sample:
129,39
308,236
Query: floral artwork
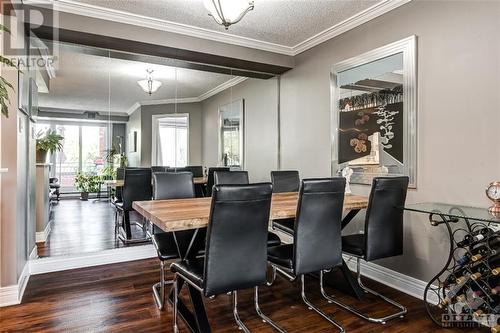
386,122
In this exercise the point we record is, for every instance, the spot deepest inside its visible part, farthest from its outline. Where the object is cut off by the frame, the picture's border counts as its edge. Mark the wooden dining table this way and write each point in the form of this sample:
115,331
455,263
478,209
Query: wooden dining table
186,218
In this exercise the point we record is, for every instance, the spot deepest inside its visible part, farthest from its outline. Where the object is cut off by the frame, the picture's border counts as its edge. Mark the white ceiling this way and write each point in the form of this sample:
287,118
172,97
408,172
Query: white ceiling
85,82
275,21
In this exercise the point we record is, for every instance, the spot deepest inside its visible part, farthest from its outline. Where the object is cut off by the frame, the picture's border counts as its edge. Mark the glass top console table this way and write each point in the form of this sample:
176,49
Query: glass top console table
466,291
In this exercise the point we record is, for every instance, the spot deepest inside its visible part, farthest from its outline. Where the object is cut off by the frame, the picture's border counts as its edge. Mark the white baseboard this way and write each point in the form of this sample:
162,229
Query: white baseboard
12,295
9,295
41,236
404,283
112,256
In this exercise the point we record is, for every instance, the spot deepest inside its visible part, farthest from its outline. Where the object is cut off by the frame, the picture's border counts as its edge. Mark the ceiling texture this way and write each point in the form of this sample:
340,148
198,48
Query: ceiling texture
88,82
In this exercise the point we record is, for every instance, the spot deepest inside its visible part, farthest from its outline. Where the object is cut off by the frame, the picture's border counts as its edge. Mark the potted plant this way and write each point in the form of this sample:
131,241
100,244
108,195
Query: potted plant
87,183
48,143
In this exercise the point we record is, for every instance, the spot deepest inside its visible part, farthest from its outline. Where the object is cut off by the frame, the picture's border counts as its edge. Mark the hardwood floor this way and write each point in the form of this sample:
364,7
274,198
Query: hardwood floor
118,298
82,227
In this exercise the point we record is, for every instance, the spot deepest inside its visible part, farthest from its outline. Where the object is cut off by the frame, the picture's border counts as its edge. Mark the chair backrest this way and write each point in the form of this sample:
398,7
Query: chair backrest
211,178
384,217
158,168
176,169
136,187
173,185
285,181
196,170
231,177
317,231
236,250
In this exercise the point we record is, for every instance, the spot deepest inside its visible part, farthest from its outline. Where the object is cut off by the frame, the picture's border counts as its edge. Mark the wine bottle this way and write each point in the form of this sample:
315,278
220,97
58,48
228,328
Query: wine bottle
464,260
495,329
476,236
481,252
495,290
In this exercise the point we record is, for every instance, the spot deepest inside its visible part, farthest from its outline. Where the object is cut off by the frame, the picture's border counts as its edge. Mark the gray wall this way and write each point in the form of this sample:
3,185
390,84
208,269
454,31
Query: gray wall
261,135
458,111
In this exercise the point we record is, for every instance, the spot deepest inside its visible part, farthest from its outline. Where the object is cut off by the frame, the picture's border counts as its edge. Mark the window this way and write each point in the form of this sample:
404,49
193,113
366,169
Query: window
170,140
84,149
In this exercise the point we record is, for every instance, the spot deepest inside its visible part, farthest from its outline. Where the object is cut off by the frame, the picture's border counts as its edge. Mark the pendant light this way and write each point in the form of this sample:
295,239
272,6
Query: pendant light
149,85
227,12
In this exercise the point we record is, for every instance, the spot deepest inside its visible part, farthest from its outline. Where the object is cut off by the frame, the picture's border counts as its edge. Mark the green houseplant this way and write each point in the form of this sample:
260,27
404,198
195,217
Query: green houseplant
48,143
87,183
4,84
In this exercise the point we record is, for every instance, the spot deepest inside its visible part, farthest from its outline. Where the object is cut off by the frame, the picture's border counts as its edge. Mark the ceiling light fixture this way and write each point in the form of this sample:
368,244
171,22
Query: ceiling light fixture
227,12
149,85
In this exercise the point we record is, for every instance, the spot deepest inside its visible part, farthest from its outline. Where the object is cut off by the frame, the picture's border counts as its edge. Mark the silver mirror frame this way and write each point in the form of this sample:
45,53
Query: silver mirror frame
408,47
241,103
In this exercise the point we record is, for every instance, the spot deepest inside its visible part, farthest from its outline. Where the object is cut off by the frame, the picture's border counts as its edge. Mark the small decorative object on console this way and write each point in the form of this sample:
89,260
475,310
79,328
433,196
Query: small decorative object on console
493,193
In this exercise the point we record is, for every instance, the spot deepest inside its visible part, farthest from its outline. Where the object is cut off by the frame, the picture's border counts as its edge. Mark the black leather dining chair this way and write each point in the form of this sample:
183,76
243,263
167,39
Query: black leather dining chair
196,170
317,236
236,249
158,168
136,187
231,177
168,185
382,237
241,178
211,178
285,181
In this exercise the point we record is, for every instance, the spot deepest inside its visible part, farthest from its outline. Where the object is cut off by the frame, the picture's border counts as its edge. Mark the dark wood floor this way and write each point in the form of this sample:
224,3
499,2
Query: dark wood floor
82,227
118,298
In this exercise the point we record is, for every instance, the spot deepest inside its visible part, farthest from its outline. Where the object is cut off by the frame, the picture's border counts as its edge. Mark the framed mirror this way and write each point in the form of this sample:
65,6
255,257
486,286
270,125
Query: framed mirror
373,113
231,134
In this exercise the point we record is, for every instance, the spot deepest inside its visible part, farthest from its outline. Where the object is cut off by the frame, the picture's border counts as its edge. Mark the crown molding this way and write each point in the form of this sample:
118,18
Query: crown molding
366,15
73,7
221,87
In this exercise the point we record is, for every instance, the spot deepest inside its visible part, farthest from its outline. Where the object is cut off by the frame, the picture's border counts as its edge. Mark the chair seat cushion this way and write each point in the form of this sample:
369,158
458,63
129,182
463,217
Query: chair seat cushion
354,244
281,255
191,270
165,245
285,225
273,240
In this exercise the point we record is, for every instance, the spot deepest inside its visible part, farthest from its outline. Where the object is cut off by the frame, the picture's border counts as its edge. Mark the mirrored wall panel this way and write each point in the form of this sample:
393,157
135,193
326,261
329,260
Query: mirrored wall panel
374,114
116,111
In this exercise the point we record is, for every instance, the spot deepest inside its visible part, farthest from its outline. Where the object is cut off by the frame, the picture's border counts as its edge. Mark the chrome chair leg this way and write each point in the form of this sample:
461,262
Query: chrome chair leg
241,326
273,276
176,295
312,307
381,320
265,318
159,289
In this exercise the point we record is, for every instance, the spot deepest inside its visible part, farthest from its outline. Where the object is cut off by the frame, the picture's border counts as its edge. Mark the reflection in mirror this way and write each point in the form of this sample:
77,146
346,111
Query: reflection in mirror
119,110
374,112
231,134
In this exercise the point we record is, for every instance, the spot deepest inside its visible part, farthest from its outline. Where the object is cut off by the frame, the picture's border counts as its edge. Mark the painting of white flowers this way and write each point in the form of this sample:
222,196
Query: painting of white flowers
375,129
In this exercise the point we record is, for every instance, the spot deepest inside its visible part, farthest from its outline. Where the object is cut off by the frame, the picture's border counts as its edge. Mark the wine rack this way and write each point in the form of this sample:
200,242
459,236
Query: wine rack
466,292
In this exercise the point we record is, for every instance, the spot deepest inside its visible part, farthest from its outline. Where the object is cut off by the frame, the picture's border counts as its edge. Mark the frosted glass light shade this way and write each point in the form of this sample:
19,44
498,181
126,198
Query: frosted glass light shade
149,85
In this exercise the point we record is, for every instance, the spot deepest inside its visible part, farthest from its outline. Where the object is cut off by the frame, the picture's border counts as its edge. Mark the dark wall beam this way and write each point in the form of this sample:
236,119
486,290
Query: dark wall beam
182,58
